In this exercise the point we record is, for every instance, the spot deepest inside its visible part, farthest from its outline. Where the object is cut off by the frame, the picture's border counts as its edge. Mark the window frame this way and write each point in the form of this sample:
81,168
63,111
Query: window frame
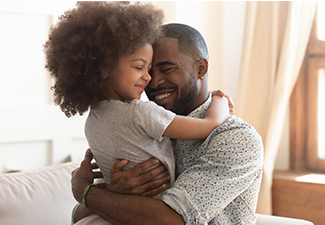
304,109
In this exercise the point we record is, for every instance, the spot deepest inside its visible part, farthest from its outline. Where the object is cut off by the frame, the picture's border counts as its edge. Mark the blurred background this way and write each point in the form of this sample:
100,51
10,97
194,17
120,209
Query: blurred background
33,131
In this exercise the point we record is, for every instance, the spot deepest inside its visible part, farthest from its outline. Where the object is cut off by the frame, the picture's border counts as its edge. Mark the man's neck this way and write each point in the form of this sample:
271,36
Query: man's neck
199,100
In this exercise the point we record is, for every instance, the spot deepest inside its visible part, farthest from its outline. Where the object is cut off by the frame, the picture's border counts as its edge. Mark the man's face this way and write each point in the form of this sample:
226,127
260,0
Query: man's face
174,83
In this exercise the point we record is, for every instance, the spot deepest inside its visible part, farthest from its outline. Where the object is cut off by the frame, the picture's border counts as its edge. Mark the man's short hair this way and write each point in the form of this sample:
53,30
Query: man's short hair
190,41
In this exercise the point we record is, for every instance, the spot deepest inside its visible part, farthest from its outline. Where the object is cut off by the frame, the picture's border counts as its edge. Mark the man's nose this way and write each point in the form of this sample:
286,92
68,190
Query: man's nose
156,79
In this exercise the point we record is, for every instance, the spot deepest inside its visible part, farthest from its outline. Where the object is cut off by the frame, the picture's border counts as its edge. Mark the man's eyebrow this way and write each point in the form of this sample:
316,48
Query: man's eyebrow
165,63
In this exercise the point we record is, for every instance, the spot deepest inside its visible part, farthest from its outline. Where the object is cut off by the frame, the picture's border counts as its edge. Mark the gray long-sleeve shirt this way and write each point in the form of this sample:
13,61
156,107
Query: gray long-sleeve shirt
218,179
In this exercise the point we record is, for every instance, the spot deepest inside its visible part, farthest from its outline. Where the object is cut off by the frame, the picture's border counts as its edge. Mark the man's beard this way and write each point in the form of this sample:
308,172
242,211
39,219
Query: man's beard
187,94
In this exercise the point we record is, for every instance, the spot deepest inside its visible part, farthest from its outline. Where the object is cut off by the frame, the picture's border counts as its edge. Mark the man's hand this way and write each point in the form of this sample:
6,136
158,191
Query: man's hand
134,181
230,102
83,176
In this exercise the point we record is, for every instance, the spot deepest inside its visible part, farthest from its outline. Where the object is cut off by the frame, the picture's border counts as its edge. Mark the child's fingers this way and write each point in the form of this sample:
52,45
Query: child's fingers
230,102
231,105
218,93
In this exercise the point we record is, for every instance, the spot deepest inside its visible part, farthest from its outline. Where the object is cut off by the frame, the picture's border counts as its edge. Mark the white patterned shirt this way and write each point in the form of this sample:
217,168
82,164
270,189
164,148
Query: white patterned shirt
218,179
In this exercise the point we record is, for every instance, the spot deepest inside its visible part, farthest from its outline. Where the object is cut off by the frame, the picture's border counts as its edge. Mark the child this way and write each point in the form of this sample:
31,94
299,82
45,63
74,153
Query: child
99,55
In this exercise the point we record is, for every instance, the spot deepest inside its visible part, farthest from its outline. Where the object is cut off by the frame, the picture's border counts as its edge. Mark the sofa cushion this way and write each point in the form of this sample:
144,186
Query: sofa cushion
40,196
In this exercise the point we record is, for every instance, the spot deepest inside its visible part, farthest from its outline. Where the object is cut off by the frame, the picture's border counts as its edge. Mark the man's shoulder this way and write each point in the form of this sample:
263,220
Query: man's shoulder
234,122
236,128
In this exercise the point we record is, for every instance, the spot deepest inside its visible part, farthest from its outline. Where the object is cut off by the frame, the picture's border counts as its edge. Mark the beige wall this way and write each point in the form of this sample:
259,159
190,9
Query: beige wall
38,134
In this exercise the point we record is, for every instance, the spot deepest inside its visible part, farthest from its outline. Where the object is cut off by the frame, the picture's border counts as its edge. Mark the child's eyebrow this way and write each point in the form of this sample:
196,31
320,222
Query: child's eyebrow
139,60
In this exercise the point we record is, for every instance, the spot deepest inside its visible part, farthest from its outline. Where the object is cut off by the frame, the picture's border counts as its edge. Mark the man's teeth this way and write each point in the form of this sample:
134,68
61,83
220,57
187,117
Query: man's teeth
159,97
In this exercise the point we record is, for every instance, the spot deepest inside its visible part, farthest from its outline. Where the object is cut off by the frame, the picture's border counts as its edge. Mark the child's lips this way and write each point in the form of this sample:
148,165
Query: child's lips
141,87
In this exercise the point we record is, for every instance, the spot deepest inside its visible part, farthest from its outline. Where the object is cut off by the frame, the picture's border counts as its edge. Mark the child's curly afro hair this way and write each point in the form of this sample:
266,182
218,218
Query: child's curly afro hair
84,47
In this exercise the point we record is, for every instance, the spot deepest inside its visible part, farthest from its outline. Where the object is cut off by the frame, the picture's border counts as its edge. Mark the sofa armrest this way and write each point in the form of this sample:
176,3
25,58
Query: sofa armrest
40,196
278,220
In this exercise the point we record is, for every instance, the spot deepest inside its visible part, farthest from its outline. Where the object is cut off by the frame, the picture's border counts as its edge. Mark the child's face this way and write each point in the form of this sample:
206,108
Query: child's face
131,76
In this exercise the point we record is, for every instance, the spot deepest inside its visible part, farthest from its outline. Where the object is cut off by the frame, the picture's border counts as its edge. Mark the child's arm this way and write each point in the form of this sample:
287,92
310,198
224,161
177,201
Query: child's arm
189,128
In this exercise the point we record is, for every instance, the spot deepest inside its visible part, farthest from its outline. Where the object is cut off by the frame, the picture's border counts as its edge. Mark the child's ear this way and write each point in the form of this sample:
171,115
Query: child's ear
201,69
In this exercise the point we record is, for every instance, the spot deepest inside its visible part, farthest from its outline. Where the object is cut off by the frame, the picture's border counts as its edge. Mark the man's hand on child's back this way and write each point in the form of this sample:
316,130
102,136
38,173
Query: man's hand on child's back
84,175
134,181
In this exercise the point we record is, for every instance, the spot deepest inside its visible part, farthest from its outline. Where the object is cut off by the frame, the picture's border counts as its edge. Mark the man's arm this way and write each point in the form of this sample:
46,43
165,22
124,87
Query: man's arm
222,181
130,209
121,208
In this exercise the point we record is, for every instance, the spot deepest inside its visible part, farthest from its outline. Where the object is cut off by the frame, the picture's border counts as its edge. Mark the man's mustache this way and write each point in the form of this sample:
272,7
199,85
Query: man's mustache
160,88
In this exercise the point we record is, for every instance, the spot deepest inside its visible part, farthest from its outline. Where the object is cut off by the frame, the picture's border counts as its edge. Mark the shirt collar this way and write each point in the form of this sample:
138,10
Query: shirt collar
200,111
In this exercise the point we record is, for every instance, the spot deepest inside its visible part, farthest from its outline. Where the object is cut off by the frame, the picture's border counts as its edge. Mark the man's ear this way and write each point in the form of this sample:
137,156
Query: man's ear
201,68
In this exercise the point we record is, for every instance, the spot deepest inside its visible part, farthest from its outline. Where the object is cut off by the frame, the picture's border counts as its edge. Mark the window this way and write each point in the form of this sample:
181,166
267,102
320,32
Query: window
307,107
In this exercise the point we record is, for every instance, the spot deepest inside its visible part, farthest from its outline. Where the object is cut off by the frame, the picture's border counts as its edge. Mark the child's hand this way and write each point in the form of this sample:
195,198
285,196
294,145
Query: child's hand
231,105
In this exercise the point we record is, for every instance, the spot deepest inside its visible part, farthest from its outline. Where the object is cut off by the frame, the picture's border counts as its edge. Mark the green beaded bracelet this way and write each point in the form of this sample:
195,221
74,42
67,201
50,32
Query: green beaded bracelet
85,193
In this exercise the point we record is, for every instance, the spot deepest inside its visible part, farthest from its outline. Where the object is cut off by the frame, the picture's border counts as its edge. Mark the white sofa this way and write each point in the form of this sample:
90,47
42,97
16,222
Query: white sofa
44,197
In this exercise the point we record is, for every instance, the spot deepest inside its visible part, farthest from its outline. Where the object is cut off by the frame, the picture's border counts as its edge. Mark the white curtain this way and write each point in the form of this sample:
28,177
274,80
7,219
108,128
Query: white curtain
275,41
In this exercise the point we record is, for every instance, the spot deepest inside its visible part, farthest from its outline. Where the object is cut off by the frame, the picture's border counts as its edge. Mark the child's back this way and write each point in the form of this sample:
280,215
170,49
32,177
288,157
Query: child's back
129,130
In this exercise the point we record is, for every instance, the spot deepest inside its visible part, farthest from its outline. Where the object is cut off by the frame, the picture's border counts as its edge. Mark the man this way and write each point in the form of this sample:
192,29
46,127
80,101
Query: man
217,179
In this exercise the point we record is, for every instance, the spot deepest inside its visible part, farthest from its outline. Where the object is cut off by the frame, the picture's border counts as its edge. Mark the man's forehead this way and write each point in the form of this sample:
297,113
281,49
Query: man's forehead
168,51
170,42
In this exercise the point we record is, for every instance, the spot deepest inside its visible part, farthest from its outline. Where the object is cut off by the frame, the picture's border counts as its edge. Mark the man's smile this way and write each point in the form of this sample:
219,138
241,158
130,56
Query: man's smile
161,97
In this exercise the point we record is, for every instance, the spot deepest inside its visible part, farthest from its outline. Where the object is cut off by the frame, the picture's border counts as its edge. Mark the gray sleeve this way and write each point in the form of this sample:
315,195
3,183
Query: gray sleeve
152,119
223,181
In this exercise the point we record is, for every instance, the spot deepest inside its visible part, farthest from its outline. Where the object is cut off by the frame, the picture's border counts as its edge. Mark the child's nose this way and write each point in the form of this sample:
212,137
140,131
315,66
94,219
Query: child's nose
147,76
